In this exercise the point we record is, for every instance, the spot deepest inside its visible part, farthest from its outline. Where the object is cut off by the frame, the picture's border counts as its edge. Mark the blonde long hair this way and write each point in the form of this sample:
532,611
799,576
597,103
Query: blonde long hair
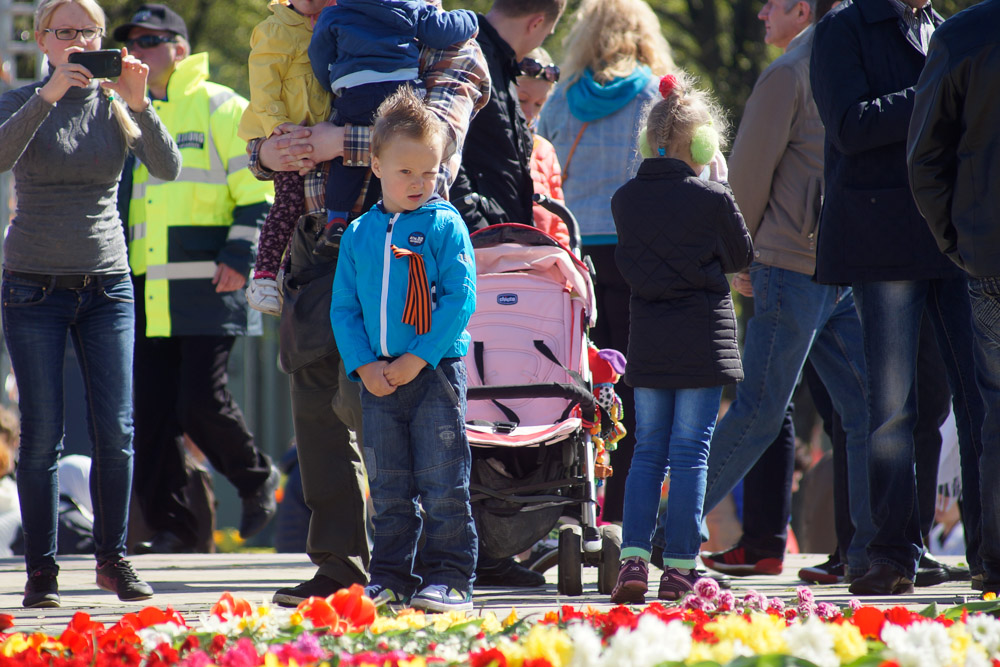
673,121
612,38
43,17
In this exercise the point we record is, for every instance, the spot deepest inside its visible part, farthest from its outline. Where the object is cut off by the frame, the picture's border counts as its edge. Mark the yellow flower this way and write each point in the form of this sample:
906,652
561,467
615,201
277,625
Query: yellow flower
989,595
761,632
848,643
551,643
491,625
295,619
511,618
515,653
271,660
961,641
14,645
417,661
444,621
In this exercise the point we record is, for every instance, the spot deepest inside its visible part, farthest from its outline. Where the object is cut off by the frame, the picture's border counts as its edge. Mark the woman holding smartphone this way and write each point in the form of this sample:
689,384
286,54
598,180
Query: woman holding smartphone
66,273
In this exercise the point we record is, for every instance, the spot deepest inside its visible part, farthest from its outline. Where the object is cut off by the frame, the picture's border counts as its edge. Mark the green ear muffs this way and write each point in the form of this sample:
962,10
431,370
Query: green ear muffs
644,150
704,144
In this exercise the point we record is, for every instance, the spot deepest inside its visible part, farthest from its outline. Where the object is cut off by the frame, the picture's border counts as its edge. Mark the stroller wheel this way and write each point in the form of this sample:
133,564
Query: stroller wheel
545,561
611,557
570,580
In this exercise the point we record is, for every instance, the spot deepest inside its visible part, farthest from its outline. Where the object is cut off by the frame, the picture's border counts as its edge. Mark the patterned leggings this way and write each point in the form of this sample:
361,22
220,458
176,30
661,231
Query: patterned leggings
289,206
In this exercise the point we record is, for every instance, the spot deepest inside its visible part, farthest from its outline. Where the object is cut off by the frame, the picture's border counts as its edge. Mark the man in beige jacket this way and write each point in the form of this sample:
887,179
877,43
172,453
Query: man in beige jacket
776,172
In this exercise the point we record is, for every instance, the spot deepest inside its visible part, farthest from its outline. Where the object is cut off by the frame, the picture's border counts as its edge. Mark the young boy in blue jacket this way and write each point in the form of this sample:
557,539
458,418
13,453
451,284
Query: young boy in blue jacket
403,293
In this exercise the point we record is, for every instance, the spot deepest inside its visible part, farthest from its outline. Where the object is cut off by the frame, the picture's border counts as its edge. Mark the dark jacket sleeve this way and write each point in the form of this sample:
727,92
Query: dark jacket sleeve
477,211
855,121
323,48
734,245
932,148
439,29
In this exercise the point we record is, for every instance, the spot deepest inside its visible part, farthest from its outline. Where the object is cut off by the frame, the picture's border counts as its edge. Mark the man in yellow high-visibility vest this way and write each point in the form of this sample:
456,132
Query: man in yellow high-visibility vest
192,243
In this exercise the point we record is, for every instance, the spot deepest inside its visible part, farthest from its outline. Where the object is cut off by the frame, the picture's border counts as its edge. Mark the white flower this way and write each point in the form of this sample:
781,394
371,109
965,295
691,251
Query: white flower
586,645
920,645
810,641
985,630
651,643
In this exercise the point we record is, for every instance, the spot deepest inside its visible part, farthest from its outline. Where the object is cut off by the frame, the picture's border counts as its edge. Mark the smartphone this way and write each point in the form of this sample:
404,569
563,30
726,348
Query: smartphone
103,64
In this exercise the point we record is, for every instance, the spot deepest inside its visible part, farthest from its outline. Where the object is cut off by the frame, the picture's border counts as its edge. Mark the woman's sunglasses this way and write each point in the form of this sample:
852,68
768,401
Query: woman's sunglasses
534,69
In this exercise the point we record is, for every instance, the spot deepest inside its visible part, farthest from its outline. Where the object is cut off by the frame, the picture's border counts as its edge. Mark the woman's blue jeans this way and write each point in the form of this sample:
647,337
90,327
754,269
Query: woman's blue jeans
100,319
673,430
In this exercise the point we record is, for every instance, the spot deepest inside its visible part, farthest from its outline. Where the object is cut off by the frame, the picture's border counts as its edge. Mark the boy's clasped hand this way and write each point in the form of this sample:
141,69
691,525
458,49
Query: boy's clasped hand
382,377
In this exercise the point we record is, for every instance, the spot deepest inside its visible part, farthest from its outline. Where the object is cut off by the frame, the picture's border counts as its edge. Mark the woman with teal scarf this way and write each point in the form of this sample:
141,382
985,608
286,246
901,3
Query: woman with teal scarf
614,58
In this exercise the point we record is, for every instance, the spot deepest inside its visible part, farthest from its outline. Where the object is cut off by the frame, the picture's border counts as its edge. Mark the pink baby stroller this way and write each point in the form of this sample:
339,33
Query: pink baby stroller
530,402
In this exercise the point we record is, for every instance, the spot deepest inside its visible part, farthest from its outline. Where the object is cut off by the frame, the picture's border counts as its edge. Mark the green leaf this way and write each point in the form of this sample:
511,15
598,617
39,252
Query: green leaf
981,606
930,611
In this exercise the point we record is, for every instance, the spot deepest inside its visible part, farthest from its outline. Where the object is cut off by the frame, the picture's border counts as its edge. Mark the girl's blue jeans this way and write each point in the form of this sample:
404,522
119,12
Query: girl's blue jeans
100,319
673,430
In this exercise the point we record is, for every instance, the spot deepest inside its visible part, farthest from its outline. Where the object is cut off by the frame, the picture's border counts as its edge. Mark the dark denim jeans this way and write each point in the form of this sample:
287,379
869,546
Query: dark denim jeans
673,430
795,318
891,313
985,296
417,455
100,318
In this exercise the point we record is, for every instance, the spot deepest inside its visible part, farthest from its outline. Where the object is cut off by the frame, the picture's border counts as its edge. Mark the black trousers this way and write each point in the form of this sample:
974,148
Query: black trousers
181,387
767,494
613,293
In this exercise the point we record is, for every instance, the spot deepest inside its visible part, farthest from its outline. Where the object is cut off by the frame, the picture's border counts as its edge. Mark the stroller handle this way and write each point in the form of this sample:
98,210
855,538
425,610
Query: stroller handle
559,209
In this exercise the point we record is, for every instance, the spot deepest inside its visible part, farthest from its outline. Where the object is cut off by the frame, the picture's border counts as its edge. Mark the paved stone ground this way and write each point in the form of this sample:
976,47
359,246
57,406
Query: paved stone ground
192,583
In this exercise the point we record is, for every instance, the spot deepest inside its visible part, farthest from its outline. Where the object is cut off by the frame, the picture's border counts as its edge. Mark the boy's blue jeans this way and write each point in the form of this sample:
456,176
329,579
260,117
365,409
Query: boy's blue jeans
100,319
673,429
416,449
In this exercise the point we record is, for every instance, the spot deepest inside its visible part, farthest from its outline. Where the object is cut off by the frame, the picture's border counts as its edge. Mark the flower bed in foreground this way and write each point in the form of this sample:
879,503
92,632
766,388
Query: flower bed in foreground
709,628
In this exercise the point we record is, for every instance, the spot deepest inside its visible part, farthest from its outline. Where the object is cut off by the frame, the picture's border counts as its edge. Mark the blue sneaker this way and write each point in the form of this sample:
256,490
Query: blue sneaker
440,598
383,596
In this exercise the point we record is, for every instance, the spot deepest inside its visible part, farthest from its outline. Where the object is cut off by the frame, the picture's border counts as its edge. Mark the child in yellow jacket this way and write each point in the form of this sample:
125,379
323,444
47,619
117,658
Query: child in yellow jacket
283,89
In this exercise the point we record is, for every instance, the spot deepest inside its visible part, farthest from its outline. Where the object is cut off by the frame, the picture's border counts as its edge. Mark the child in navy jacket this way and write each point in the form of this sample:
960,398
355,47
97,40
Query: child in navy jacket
678,237
362,51
403,293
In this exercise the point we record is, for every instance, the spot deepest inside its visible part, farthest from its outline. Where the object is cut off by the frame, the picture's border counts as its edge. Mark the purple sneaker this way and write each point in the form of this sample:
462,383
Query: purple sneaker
676,583
632,582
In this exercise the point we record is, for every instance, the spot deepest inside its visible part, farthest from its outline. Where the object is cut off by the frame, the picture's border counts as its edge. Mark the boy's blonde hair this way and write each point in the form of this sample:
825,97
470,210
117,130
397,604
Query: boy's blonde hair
675,121
404,114
43,18
612,38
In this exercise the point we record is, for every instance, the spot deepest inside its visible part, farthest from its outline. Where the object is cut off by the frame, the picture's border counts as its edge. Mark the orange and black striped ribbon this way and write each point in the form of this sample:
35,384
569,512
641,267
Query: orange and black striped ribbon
417,310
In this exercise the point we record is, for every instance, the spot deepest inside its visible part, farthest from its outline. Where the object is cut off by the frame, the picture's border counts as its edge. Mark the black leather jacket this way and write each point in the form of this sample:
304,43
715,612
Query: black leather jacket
494,183
954,141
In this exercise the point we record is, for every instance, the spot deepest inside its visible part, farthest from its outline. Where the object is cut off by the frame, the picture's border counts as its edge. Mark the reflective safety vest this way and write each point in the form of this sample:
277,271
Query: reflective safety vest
179,231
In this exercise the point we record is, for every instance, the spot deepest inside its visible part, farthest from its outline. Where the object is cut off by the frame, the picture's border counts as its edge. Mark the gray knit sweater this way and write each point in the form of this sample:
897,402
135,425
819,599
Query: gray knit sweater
67,159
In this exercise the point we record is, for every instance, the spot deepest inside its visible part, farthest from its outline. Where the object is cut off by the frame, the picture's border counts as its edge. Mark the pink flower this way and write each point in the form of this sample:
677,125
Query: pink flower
693,602
707,588
827,610
854,604
726,601
197,659
777,605
805,594
242,654
754,601
806,609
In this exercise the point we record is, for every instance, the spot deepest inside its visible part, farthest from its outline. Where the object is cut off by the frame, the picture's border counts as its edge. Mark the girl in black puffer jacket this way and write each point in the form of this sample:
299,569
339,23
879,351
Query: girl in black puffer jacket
678,237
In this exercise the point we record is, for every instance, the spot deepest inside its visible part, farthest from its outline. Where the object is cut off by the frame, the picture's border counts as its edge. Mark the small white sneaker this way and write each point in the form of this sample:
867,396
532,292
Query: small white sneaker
439,598
262,295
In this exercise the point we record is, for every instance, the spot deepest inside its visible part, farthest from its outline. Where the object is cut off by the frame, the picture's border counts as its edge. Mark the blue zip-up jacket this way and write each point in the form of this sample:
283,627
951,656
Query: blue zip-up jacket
370,41
369,288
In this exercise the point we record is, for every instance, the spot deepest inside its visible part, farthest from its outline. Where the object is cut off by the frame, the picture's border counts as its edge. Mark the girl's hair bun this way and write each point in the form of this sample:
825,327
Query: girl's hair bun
667,85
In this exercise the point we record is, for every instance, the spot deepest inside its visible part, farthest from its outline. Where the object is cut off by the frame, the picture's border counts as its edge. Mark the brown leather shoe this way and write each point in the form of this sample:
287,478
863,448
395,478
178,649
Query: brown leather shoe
881,579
